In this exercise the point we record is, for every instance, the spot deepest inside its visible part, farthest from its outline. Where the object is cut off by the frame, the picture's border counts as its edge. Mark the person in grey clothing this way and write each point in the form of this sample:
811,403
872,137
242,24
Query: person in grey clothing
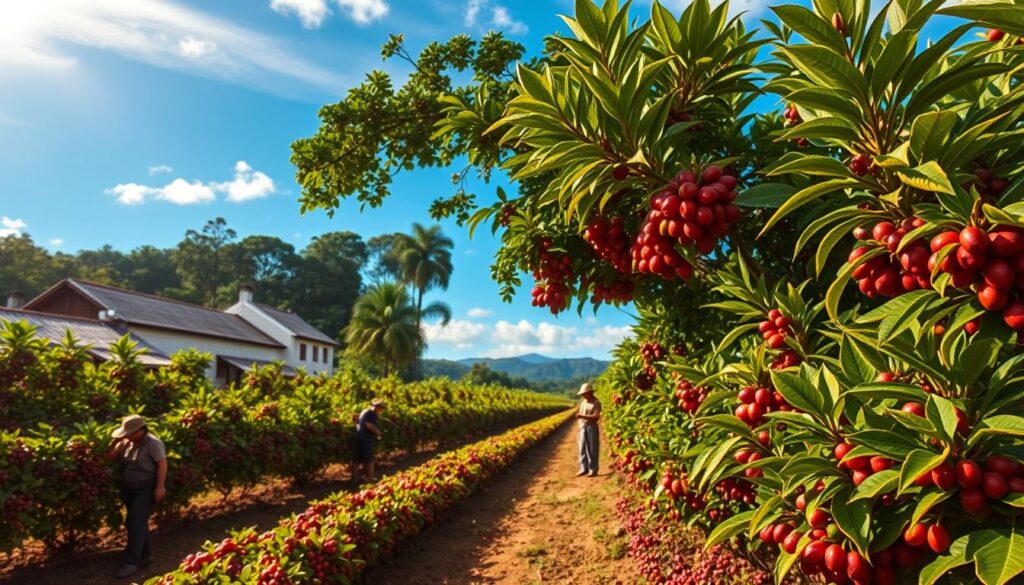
142,487
587,416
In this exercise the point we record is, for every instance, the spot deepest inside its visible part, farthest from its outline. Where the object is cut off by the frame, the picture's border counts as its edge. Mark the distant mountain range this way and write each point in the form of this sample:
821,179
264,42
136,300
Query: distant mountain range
533,367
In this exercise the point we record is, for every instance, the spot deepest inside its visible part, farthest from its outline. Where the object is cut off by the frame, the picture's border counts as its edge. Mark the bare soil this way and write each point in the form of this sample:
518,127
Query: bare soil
535,523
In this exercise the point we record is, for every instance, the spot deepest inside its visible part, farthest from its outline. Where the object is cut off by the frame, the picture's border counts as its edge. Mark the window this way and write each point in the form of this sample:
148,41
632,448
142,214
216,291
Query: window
302,352
326,351
316,353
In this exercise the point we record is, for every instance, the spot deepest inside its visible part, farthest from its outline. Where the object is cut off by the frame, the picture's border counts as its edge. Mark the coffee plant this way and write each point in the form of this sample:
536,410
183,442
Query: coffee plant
57,487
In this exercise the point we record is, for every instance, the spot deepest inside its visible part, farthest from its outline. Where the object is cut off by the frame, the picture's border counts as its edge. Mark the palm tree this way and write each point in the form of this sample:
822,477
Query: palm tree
425,259
385,323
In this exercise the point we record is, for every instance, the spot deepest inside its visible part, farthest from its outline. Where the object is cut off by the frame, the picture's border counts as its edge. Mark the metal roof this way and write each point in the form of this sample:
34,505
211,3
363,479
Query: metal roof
246,364
297,325
149,310
99,336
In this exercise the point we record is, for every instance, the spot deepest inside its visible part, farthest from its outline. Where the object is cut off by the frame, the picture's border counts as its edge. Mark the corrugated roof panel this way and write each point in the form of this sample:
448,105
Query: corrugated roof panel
142,309
97,334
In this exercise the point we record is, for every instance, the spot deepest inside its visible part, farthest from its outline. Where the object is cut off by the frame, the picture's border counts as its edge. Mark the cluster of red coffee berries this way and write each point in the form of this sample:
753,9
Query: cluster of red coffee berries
552,276
861,164
787,359
610,241
756,402
674,483
554,295
507,211
645,379
678,116
689,396
988,184
861,467
744,456
775,329
793,118
692,211
736,490
890,275
933,535
992,261
652,351
977,485
616,291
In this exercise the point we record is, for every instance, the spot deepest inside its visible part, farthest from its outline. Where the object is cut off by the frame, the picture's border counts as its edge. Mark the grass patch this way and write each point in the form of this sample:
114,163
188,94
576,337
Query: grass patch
533,552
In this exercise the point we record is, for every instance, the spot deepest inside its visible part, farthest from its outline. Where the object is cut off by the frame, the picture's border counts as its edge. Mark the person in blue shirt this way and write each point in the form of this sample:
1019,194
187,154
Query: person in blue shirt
367,434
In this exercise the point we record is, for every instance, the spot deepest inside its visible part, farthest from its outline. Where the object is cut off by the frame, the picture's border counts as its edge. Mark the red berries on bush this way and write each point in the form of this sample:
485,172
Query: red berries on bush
938,538
610,241
756,402
944,477
994,485
689,396
819,518
775,329
691,211
891,274
973,500
915,534
995,35
968,473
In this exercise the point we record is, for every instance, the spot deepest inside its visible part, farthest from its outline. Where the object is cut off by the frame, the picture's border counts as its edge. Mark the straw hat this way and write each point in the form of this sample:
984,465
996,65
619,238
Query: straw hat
586,388
377,402
130,424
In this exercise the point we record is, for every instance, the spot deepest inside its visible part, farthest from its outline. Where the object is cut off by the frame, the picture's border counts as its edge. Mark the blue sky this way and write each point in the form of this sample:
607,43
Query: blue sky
127,123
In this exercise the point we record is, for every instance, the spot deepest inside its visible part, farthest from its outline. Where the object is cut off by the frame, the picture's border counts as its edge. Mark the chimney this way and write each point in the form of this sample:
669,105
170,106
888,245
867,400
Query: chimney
15,300
245,294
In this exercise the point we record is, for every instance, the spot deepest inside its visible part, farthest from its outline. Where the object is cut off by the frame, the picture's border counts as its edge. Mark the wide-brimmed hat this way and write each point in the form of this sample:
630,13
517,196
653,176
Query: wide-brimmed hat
378,402
129,425
586,388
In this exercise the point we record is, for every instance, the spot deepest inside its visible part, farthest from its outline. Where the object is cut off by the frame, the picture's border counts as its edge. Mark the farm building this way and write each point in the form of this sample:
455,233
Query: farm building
245,334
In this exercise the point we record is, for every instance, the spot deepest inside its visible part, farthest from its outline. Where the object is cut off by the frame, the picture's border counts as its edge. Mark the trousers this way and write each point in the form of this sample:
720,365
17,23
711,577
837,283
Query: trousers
138,502
589,443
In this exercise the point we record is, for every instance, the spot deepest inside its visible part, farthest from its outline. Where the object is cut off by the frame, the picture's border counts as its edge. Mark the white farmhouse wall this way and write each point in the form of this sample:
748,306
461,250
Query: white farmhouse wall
171,341
285,337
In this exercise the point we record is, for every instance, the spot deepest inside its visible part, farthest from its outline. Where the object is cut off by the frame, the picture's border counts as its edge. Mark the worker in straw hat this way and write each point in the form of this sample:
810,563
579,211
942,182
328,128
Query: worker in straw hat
367,434
142,487
587,416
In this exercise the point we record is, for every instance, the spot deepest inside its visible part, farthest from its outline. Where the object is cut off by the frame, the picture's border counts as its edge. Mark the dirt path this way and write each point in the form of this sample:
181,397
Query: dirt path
535,523
262,508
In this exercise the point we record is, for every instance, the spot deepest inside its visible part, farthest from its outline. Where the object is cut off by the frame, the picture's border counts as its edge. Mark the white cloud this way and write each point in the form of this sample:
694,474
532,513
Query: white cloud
181,192
472,10
154,169
312,13
501,18
56,242
364,11
478,313
131,193
11,227
247,184
458,333
193,48
512,339
157,32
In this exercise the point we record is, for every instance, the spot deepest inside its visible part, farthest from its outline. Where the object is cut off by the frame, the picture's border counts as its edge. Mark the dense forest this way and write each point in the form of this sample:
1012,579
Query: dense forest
321,281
